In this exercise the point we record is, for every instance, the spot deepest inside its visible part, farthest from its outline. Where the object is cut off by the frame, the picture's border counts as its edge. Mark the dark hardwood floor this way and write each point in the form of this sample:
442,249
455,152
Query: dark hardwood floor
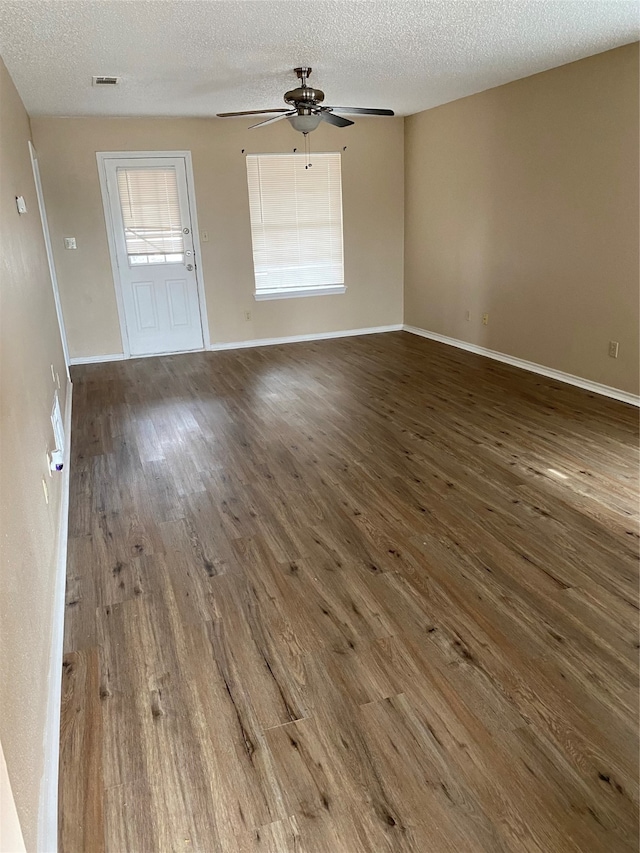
372,594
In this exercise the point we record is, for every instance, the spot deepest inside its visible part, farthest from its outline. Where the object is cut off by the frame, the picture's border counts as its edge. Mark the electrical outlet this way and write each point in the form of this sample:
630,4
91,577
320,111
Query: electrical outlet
204,236
613,349
485,319
467,316
247,315
70,243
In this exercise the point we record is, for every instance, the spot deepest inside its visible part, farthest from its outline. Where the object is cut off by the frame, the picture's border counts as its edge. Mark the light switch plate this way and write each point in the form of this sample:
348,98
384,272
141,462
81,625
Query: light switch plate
21,204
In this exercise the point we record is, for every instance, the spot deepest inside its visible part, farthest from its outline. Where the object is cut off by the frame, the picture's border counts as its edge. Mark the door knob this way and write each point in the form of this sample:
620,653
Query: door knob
189,267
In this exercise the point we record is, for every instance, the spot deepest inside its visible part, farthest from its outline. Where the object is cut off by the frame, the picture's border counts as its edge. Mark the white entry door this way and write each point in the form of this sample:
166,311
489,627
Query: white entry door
152,237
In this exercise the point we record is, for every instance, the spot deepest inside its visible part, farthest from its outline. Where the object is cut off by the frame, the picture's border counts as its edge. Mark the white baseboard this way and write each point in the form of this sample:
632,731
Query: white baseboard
315,336
96,359
48,806
569,378
254,342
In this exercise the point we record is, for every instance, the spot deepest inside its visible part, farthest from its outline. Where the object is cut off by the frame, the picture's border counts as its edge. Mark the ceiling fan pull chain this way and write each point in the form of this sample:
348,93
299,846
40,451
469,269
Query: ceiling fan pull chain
307,150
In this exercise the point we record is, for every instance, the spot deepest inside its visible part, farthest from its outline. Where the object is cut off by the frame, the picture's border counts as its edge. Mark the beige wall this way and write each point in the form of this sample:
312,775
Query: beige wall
523,202
29,345
372,175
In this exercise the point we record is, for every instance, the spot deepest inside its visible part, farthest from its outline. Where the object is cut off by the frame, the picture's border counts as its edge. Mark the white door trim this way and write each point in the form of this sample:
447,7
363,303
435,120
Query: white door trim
47,242
102,157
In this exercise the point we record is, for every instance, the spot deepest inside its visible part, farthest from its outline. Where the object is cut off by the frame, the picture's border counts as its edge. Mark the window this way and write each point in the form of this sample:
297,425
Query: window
296,224
151,215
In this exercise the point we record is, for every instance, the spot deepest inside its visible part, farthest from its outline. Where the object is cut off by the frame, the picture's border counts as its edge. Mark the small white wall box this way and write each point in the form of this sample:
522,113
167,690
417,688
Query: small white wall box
70,243
21,204
57,455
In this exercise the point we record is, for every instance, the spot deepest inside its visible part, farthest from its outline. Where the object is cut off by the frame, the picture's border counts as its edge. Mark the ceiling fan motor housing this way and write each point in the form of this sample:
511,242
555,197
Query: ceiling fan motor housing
304,97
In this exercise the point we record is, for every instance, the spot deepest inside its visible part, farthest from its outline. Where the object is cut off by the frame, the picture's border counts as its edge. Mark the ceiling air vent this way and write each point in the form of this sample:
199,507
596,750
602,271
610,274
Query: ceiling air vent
105,81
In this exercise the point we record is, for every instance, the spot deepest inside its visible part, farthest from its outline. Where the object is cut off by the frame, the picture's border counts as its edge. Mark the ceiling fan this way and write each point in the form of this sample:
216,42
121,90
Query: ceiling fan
305,110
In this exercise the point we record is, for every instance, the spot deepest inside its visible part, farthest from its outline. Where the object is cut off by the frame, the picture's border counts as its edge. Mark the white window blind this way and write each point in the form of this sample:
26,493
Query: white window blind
296,223
151,215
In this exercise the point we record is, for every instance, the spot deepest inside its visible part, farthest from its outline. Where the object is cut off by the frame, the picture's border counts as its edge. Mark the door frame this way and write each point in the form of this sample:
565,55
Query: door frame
49,250
102,157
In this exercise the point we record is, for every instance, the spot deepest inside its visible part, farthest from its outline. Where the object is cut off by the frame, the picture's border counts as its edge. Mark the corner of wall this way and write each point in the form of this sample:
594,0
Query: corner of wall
11,840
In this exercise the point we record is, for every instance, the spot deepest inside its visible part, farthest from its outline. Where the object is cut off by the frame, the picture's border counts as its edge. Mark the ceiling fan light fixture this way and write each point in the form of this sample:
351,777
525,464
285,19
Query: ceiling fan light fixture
304,123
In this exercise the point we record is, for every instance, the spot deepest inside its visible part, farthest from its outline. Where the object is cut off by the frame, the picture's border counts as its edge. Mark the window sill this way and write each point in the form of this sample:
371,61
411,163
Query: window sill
303,291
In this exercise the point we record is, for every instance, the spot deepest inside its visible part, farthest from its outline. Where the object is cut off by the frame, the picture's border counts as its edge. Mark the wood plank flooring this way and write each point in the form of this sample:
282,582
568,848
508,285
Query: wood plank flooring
354,596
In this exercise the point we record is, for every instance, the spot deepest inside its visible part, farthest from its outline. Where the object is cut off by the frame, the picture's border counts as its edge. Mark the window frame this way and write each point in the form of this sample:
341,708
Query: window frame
266,294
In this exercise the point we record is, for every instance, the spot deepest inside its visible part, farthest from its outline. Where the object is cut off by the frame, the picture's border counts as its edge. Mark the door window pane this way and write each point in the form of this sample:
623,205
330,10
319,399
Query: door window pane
151,215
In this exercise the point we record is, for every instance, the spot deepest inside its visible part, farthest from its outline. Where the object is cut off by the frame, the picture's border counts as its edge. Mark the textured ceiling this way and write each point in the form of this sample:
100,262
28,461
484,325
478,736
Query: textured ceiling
195,58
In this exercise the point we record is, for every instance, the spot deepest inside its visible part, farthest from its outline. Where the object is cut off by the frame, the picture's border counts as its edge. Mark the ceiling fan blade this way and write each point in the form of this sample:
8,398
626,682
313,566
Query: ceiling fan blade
271,120
362,111
332,118
253,112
